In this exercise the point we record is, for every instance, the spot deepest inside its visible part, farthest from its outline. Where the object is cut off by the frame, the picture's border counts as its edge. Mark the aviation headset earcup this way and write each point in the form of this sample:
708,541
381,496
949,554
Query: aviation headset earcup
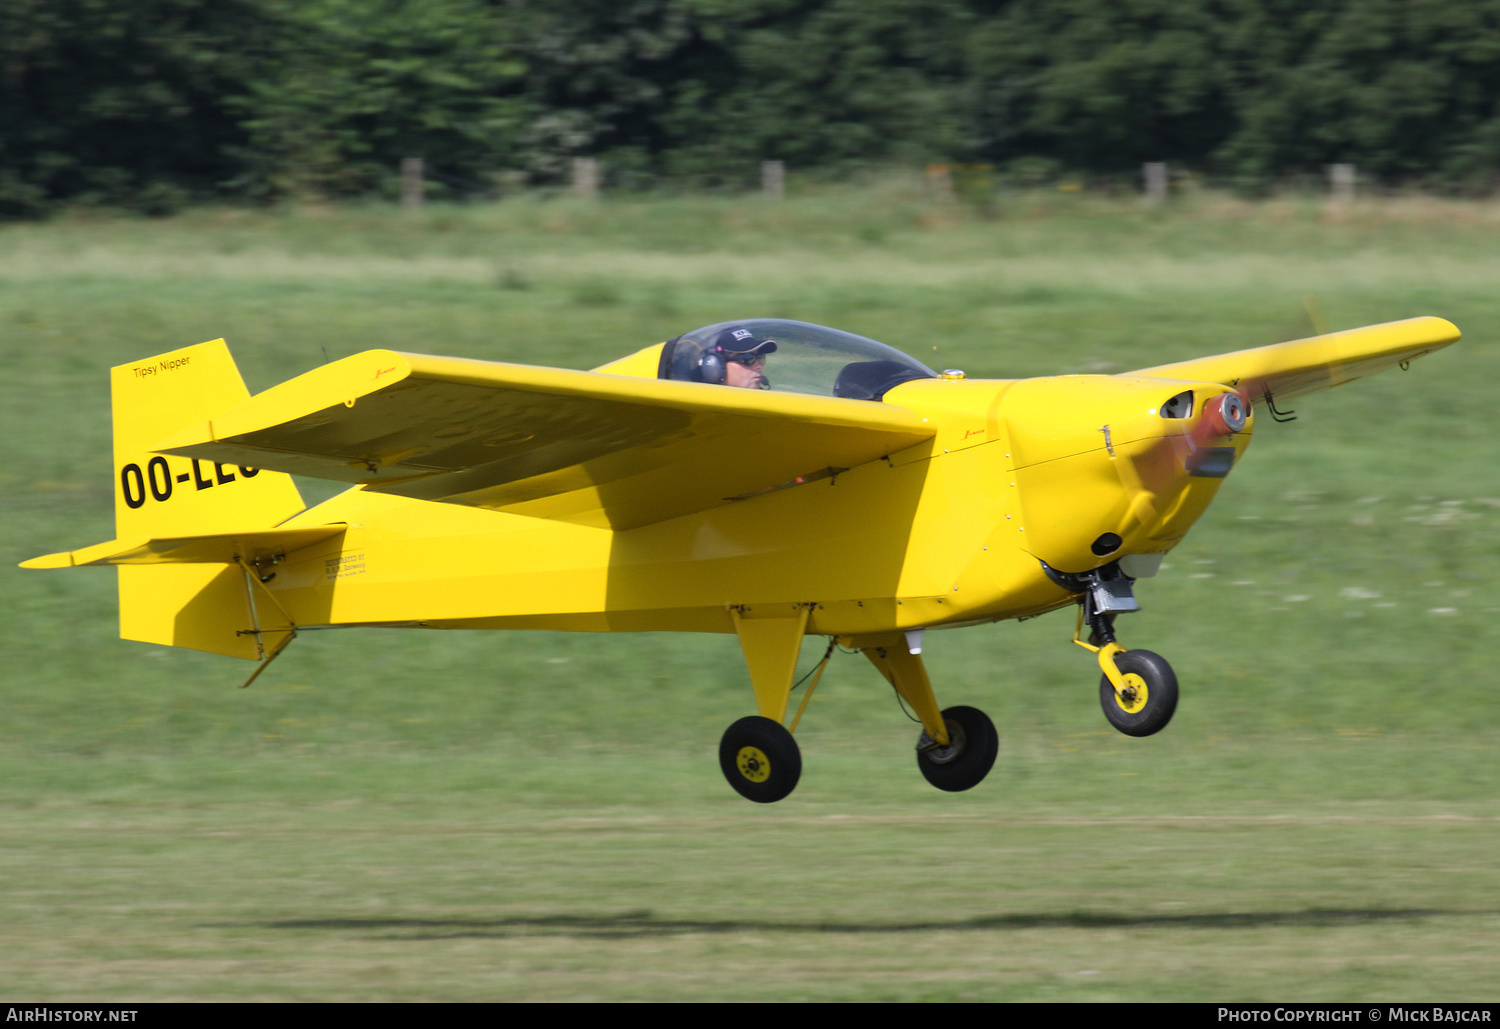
711,369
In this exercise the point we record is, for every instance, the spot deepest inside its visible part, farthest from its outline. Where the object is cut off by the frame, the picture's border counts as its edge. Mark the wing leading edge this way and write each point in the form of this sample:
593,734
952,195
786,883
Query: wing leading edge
1285,370
577,446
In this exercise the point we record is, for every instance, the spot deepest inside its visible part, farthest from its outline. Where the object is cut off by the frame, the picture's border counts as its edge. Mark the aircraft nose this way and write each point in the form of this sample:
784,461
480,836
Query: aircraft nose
1226,414
1166,448
1205,441
1191,459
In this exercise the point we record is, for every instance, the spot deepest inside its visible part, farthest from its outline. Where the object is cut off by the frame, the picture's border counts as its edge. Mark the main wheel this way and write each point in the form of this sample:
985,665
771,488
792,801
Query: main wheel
972,746
1150,696
760,759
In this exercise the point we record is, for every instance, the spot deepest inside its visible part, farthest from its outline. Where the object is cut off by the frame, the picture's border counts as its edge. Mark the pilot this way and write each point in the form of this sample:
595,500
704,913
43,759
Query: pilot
743,356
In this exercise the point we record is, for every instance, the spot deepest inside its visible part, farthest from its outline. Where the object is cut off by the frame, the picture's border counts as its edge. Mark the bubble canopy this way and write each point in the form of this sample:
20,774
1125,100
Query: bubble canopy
806,358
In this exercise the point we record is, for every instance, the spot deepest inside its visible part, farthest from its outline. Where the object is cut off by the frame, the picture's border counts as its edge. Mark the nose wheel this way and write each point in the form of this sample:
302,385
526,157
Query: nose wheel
1147,697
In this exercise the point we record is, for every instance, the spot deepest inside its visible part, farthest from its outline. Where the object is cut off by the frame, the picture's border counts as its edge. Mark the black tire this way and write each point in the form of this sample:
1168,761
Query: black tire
973,746
760,759
1146,673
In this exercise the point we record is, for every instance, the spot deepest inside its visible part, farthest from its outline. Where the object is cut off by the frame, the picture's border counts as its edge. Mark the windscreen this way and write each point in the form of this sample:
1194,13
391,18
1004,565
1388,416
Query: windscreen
798,357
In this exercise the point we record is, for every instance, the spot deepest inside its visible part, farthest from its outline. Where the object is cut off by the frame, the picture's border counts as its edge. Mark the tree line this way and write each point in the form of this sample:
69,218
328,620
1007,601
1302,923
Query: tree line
154,103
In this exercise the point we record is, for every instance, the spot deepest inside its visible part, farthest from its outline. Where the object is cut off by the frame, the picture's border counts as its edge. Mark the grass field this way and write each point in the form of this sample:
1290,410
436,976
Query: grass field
469,816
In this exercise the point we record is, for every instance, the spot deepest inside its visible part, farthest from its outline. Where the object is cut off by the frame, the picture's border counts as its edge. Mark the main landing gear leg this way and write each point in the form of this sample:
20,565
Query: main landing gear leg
757,754
958,746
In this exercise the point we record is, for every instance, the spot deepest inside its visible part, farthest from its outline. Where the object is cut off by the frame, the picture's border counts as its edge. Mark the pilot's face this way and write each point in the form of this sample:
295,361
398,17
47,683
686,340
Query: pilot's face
746,376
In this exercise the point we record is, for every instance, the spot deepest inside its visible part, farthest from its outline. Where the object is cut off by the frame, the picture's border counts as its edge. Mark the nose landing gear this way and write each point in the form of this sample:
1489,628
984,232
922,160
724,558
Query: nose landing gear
1138,690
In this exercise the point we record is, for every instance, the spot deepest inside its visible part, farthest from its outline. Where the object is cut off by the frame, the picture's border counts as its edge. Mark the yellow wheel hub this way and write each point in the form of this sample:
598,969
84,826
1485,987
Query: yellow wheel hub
753,764
1135,694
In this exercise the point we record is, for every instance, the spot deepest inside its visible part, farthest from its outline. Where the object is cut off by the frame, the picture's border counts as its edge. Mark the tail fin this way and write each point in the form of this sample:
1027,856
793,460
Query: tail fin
201,606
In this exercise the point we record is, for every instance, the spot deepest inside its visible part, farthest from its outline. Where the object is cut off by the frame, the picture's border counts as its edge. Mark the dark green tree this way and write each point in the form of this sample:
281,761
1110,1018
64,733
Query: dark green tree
600,78
151,102
1102,85
121,101
1405,89
352,87
823,83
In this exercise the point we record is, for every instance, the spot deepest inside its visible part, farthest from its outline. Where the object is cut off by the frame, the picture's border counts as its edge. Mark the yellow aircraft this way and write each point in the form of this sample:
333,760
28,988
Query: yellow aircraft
850,492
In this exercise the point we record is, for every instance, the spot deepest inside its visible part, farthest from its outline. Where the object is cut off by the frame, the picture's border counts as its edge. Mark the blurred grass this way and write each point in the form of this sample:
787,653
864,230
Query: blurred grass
534,815
468,877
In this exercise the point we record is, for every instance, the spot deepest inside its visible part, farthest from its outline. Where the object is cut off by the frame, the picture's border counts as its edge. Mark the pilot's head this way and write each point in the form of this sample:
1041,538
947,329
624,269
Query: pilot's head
743,355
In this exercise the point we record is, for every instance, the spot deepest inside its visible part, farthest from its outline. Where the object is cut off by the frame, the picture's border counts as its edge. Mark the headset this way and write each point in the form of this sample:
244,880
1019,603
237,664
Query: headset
686,359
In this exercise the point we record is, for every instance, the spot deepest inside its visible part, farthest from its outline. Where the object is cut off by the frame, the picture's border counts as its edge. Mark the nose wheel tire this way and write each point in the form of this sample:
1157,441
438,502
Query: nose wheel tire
1150,696
972,747
760,759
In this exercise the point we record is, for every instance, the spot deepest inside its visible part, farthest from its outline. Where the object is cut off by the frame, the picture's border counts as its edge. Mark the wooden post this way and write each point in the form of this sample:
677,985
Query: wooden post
411,183
586,177
940,181
1155,175
1341,182
773,179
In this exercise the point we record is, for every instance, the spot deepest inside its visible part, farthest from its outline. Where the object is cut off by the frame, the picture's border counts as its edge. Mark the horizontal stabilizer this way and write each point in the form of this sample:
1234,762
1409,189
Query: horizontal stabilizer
218,548
577,446
1284,370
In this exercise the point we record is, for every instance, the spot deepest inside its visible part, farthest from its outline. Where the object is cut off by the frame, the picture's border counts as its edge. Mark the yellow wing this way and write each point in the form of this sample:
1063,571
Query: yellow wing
577,446
1284,370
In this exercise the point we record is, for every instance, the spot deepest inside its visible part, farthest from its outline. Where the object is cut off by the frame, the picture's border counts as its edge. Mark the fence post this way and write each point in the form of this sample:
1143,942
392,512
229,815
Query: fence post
1155,175
940,182
411,183
1341,182
586,177
773,179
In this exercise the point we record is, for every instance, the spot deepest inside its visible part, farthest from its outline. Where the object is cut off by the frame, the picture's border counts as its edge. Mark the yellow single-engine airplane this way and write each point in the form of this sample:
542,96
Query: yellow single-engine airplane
864,498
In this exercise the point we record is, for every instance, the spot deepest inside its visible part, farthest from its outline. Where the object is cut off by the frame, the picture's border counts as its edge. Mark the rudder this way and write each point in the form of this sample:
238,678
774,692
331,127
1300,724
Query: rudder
203,607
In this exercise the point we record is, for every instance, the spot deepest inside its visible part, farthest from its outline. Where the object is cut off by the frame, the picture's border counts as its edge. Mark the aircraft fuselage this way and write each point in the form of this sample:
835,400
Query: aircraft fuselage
952,530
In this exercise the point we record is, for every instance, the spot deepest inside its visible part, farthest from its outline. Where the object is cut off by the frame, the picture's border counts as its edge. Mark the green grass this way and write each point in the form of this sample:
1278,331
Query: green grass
399,815
489,877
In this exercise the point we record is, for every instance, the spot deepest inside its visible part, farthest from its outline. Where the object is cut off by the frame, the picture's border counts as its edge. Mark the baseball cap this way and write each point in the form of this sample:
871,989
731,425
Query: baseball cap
742,344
